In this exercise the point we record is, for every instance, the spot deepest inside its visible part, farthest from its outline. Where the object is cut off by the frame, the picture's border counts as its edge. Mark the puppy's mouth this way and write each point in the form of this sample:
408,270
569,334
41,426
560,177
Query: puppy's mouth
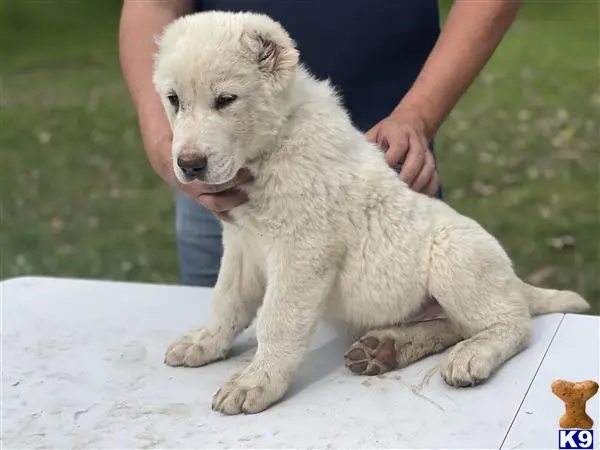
216,181
242,176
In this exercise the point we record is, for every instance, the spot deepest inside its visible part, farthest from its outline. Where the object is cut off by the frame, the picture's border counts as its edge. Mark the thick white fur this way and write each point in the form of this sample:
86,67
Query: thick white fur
329,229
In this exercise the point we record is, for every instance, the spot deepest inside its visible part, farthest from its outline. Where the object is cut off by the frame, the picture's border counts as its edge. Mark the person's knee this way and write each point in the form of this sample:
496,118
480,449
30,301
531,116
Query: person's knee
199,242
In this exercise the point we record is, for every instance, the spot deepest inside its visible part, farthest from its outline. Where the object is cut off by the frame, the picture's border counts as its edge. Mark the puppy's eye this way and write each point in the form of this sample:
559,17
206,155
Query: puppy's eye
174,101
224,100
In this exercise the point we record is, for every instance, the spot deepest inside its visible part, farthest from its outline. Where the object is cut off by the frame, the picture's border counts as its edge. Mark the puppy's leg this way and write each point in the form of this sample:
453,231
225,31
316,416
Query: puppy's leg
237,296
299,280
472,278
381,351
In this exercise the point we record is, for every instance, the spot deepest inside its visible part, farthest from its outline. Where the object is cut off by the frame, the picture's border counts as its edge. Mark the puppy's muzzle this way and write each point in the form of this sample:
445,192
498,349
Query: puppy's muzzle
192,165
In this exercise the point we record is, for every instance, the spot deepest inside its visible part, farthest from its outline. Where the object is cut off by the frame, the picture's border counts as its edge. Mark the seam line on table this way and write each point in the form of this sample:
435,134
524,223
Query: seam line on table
531,383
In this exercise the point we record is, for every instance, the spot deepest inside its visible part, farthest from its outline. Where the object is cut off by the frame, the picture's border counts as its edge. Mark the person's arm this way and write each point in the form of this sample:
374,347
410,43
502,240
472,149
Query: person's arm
468,39
141,22
471,34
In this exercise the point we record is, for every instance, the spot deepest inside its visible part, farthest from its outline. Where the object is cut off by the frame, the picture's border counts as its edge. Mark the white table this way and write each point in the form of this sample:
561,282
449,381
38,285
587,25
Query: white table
82,368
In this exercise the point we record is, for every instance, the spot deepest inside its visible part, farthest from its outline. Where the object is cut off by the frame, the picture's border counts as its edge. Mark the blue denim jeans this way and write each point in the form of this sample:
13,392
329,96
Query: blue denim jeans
199,244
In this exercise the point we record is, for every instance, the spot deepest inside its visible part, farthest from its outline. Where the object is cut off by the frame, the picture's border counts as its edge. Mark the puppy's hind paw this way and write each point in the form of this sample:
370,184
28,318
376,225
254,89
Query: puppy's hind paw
371,356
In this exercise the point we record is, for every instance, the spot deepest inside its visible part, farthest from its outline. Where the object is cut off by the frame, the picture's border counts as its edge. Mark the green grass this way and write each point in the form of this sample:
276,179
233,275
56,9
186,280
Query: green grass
519,154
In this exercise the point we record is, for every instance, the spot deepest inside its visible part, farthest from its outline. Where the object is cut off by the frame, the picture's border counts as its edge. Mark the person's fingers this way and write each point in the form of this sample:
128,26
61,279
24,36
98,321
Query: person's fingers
432,188
397,145
208,201
243,176
228,200
223,201
372,134
414,161
224,216
427,171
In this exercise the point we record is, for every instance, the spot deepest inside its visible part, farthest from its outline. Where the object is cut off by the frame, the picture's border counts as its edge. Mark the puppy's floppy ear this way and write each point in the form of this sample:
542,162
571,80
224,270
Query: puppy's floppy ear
276,57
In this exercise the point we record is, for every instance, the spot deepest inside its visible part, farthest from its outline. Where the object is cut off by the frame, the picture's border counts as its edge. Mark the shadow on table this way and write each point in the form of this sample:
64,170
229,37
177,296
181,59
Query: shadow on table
319,363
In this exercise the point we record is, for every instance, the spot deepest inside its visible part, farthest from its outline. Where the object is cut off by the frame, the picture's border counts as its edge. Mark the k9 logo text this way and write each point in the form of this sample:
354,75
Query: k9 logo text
575,439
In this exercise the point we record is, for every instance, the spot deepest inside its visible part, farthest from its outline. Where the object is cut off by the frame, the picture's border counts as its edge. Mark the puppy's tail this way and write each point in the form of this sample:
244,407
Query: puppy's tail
546,301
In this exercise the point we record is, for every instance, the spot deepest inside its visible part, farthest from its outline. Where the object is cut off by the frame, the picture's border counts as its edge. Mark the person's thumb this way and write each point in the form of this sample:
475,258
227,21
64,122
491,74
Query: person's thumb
397,146
372,134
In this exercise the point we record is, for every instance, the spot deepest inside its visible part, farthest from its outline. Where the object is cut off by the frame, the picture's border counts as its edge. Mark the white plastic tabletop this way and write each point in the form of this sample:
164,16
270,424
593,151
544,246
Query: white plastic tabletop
575,356
82,367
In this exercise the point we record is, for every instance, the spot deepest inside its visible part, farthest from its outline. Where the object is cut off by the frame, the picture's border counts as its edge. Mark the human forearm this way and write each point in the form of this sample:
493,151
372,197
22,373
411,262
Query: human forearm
470,35
141,22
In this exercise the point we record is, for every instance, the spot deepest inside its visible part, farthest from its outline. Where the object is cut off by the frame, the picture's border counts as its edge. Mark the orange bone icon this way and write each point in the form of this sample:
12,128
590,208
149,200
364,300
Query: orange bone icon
575,396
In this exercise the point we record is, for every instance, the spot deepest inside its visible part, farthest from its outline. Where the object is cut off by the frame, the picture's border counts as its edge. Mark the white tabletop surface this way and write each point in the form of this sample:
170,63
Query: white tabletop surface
82,368
575,356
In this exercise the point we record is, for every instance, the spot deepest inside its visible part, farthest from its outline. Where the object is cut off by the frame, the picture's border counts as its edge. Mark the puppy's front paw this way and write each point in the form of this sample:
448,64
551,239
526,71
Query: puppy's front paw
249,392
196,349
468,364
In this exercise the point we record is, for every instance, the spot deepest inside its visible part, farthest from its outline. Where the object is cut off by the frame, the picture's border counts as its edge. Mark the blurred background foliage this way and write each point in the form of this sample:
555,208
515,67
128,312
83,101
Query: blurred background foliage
520,153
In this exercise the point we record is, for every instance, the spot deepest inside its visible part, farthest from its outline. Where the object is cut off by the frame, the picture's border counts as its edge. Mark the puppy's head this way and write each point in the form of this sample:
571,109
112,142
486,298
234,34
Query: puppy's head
222,78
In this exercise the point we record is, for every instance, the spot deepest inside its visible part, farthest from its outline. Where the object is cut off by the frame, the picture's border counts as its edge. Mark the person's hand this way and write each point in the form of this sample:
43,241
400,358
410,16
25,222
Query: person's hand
403,137
218,198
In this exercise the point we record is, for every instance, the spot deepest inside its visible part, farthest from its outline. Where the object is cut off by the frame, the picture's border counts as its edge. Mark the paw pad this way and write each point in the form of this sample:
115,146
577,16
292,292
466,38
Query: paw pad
371,356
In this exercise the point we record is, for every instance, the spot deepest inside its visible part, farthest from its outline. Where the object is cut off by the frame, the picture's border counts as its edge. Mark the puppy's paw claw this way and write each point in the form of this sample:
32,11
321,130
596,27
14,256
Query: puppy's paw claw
248,393
196,349
466,366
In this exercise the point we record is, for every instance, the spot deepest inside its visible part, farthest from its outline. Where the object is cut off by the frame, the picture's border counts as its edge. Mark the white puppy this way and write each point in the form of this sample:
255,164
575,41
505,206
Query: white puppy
329,229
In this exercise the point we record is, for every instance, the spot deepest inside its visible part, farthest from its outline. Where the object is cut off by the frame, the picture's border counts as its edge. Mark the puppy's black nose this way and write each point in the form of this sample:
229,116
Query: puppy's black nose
191,165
